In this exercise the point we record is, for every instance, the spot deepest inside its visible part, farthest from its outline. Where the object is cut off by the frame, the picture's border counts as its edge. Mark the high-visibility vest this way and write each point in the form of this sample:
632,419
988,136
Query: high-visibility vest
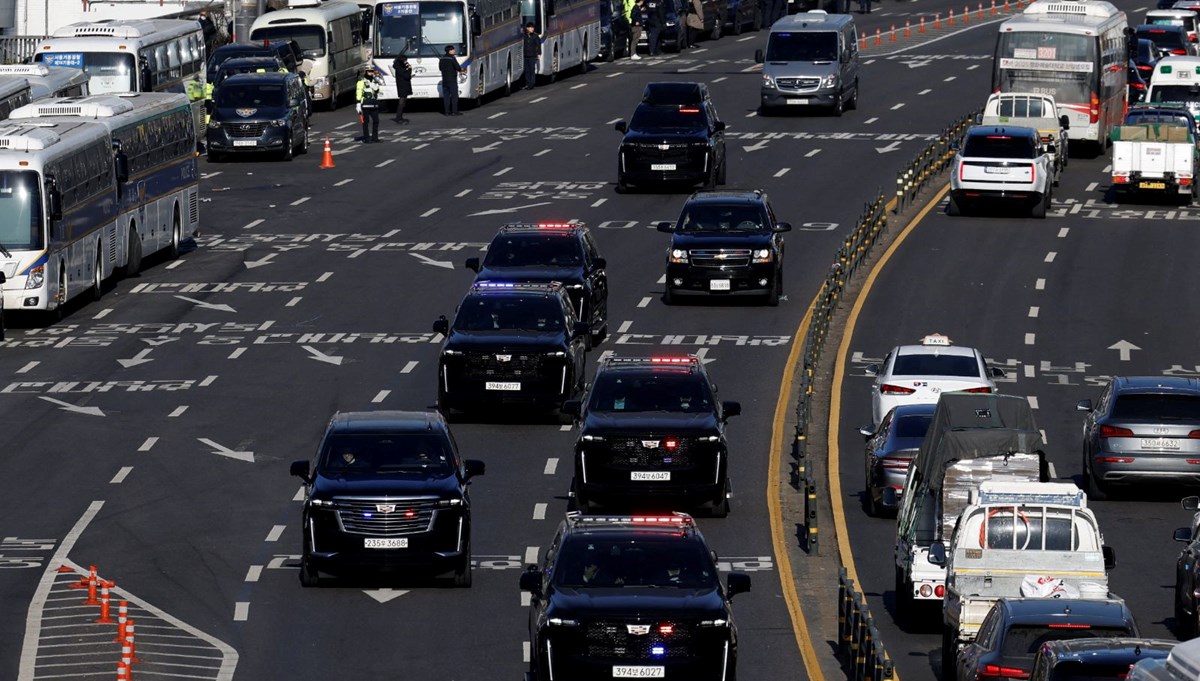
367,92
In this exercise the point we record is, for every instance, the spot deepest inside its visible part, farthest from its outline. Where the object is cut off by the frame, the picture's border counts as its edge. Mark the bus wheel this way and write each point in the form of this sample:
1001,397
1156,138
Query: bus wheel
56,315
554,66
176,236
583,57
98,277
508,80
133,261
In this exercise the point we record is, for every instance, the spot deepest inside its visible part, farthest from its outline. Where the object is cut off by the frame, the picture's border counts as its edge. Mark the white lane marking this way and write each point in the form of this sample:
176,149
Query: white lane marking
539,511
208,380
1050,256
615,120
1062,233
502,171
749,37
525,652
972,67
148,444
948,79
691,68
870,120
33,620
718,80
254,573
1029,371
293,301
551,466
497,115
576,87
1033,311
1033,401
1045,440
429,212
412,364
275,533
526,599
103,313
539,99
28,367
644,302
1092,186
925,91
384,163
1107,169
421,146
300,200
346,181
241,611
324,277
624,326
531,555
121,475
175,264
1040,284
782,172
898,106
344,125
253,223
237,353
662,279
752,114
1030,338
462,193
205,176
380,396
543,152
614,74
812,153
565,428
698,51
178,412
598,203
299,495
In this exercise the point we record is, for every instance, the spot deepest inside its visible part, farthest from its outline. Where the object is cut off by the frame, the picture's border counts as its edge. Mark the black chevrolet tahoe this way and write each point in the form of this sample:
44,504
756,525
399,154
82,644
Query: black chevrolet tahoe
552,251
635,597
651,430
387,490
515,344
675,136
725,243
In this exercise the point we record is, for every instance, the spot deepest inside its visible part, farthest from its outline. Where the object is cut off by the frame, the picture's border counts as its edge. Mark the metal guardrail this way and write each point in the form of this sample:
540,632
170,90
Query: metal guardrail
18,49
858,639
929,163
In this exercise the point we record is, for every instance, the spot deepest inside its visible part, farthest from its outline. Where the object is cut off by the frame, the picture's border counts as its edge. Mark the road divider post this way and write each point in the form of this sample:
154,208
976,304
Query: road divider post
858,638
104,604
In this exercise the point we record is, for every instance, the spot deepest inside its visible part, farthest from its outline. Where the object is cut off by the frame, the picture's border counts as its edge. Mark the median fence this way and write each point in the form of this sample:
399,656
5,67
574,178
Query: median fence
858,639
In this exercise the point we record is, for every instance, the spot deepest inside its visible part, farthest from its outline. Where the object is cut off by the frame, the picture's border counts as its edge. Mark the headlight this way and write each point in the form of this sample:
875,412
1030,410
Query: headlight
320,82
557,353
714,623
450,502
762,255
37,277
710,438
214,124
678,255
451,353
279,123
830,81
768,81
560,622
592,438
321,502
575,286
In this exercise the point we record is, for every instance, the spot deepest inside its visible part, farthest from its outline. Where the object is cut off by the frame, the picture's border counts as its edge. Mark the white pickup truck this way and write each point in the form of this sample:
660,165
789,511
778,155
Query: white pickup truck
1032,539
1154,157
1032,110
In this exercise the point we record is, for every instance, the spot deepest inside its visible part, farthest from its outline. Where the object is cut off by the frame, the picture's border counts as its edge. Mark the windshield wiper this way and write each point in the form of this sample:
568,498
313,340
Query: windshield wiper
4,251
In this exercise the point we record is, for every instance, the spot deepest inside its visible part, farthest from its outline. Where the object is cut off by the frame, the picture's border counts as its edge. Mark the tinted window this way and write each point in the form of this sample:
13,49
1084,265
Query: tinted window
509,313
1134,407
807,46
1175,93
366,454
20,210
649,117
1083,671
999,146
912,426
659,390
1162,37
534,249
935,365
251,95
1024,640
705,217
310,39
634,561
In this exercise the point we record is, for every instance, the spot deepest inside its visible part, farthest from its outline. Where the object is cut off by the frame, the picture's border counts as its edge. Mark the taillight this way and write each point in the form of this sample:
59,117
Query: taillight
1145,67
1114,459
1094,113
889,389
1178,51
1138,86
1069,625
1114,431
996,671
896,464
1194,434
984,389
962,168
939,591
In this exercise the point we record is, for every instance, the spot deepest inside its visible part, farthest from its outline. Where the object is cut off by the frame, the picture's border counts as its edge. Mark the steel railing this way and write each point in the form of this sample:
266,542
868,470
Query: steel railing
858,641
929,163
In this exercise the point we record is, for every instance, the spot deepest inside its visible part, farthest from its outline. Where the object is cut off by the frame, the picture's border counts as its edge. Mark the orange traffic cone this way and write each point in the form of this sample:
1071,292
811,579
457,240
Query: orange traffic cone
892,37
922,29
950,21
327,158
907,29
937,21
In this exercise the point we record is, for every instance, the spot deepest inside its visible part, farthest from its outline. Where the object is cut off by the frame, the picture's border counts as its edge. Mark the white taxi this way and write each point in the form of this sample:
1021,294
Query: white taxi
919,374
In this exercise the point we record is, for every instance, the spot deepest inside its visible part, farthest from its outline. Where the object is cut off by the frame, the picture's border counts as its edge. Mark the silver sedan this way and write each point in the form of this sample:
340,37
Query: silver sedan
890,450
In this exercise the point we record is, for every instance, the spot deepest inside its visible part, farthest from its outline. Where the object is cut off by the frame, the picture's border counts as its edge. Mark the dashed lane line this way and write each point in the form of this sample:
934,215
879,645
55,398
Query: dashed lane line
1033,401
103,313
237,353
543,152
1029,371
749,37
752,114
644,302
177,412
254,573
344,182
324,277
121,475
539,99
972,67
718,80
598,203
299,495
551,466
175,264
525,652
539,511
870,120
781,172
385,163
497,115
662,279
1092,186
565,428
1030,338
1050,256
812,153
947,79
898,106
462,193
293,302
207,381
409,366
1062,233
429,212
275,533
241,611
420,146
345,125
300,200
531,555
526,599
148,444
28,367
1040,284
614,74
576,87
1033,311
925,91
625,325
380,396
614,121
502,171
253,223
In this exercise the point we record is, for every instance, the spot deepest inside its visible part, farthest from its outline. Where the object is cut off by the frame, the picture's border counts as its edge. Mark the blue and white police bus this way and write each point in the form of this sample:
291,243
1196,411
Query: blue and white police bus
570,31
47,81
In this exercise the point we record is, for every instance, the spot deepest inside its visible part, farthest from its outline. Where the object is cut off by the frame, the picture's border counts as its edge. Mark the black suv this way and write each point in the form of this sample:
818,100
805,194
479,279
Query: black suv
631,597
257,112
675,135
651,428
285,52
511,344
387,490
1096,659
560,251
725,243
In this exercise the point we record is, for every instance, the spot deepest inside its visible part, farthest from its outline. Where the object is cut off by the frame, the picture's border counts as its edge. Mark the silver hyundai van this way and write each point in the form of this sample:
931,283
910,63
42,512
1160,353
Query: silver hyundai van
811,60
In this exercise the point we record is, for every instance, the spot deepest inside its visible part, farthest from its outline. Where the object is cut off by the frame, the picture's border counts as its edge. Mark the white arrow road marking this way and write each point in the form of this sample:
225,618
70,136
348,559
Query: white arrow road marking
139,358
891,147
761,144
265,260
220,307
1123,347
486,147
430,261
498,211
702,355
67,406
384,595
158,340
225,451
322,357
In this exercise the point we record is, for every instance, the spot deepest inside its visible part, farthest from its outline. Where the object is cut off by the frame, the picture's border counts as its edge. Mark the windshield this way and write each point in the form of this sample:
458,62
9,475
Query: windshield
1025,640
369,454
533,250
658,390
1135,407
808,46
713,218
920,364
1163,37
509,313
634,560
245,95
419,29
648,117
1166,21
1056,64
107,71
224,54
999,146
310,39
20,210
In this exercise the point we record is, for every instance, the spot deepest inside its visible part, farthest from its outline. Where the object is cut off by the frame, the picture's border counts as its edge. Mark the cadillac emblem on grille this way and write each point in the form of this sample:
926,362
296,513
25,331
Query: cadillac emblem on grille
385,508
650,444
503,358
637,629
664,147
246,113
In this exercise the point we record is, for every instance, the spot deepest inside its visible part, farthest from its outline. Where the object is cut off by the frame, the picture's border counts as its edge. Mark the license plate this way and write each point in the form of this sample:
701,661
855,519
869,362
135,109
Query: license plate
624,671
1160,443
499,385
398,543
797,101
245,143
650,476
996,170
1152,185
718,285
662,166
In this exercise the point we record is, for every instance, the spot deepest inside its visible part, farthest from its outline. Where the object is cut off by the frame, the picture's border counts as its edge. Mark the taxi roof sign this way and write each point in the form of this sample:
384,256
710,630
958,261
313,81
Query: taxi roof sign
936,339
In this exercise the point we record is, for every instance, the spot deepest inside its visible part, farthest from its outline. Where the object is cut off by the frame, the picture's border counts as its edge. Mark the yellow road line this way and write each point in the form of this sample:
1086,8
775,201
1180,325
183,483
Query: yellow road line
778,539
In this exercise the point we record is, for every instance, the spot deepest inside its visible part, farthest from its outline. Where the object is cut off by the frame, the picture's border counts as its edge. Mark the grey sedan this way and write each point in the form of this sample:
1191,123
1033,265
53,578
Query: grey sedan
1142,429
891,449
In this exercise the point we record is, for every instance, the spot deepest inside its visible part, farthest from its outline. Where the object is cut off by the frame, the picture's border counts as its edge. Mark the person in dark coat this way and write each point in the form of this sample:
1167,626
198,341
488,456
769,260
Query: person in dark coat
637,16
654,18
532,46
403,72
450,68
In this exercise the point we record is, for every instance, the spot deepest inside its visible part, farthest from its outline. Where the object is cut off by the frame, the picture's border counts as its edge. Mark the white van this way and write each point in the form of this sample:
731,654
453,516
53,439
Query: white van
1176,17
1175,80
330,36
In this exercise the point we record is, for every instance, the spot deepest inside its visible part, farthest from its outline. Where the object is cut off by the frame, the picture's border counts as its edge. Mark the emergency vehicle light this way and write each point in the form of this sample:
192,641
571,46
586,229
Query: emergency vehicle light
666,629
674,360
676,518
689,110
555,225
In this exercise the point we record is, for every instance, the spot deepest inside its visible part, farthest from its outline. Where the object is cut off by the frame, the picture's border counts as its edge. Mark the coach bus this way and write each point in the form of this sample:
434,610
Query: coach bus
159,196
485,34
14,94
570,31
47,81
330,37
1075,50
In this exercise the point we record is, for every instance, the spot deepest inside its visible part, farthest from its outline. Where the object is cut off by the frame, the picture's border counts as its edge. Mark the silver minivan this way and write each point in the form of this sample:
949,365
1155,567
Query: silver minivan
811,60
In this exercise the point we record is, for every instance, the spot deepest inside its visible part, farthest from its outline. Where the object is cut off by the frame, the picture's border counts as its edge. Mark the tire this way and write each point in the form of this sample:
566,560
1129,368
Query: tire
1039,209
853,103
579,500
583,63
721,171
176,236
332,104
720,507
304,141
56,315
215,156
737,25
953,209
289,149
1185,625
1095,489
133,264
462,573
668,298
554,67
710,182
838,106
718,24
904,601
772,299
758,22
622,185
508,89
98,279
949,655
309,576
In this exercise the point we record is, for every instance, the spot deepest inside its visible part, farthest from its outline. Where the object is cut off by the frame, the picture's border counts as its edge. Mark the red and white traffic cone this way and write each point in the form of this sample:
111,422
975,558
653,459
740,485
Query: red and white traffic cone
129,642
327,158
892,35
123,672
907,28
922,28
85,579
950,21
93,582
937,21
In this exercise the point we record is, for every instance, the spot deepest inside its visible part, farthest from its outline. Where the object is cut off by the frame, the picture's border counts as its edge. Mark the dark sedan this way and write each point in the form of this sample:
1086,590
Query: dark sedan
1168,40
1187,575
1145,56
890,450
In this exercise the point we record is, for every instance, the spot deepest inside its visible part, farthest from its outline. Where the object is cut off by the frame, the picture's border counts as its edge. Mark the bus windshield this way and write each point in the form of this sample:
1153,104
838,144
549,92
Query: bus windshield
1059,64
310,39
107,71
419,29
20,210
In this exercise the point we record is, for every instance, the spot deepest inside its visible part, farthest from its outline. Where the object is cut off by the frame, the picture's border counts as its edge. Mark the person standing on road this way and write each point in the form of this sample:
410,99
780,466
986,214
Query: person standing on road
533,52
637,17
864,6
653,18
367,96
694,22
403,71
450,68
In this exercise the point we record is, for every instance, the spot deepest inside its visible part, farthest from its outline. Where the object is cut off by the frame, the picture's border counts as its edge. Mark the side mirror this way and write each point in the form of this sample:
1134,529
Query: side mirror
473,467
1183,534
719,126
54,202
997,372
758,56
1110,557
1083,405
1190,503
476,26
736,583
937,553
582,328
665,227
442,326
729,409
783,226
1064,122
300,470
954,146
867,431
531,580
121,163
572,407
600,263
619,126
978,119
871,370
472,264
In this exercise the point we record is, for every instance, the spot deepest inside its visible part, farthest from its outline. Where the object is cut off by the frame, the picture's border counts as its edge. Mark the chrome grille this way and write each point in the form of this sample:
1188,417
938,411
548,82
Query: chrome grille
489,365
655,152
633,452
407,515
797,83
612,640
246,129
727,257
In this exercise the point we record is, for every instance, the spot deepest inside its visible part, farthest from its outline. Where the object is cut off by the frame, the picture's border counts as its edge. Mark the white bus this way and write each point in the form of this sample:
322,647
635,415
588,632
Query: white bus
14,94
485,34
1075,50
330,36
159,195
570,31
58,211
47,81
158,55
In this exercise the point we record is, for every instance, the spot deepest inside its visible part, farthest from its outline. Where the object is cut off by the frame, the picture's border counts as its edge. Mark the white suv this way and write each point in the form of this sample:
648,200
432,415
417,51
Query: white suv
1003,163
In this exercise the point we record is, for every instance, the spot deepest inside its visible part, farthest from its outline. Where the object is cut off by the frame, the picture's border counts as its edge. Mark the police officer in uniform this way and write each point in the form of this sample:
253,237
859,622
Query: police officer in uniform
367,96
449,67
653,18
